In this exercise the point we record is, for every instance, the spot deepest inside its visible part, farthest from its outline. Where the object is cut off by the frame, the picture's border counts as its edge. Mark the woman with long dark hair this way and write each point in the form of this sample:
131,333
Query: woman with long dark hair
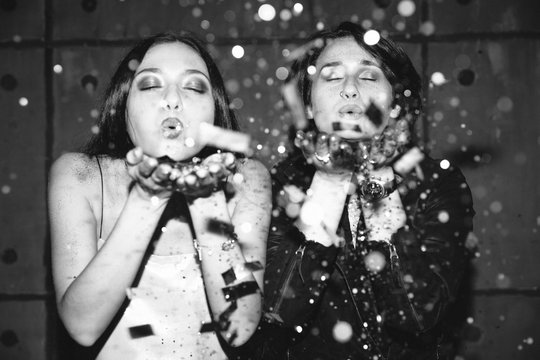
158,240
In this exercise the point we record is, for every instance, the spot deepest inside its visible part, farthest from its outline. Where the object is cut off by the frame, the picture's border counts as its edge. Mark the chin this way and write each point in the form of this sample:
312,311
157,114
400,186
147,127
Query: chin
183,154
353,135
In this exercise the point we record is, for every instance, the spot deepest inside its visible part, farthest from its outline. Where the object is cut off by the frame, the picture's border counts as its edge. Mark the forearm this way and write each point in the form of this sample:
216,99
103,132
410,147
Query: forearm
237,316
322,209
93,298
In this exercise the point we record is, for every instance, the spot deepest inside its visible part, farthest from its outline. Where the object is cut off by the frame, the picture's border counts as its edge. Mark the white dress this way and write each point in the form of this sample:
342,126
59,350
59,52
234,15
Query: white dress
170,300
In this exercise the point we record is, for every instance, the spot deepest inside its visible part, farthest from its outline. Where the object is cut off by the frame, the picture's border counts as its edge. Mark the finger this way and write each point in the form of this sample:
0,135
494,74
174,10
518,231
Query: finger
174,174
321,146
308,144
181,184
134,156
229,161
205,179
216,169
333,144
147,166
202,173
191,181
161,173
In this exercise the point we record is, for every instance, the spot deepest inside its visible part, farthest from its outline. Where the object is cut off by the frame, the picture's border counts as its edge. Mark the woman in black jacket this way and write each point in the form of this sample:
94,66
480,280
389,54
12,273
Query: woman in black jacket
367,247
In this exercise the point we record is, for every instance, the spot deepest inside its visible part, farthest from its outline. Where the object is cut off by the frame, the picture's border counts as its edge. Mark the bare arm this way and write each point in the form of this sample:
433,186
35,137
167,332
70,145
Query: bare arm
90,284
250,220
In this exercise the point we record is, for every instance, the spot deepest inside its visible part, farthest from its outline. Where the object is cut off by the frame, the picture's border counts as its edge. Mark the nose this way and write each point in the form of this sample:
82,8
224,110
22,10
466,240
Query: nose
350,91
171,99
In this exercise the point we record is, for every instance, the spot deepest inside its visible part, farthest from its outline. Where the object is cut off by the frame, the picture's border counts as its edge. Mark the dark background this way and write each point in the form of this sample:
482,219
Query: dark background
56,58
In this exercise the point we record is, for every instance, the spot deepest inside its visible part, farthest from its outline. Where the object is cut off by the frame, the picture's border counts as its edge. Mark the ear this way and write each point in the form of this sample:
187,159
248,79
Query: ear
309,112
394,113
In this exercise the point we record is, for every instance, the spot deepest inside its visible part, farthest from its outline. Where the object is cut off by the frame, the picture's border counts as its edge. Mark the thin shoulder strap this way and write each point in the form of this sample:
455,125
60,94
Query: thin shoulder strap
102,199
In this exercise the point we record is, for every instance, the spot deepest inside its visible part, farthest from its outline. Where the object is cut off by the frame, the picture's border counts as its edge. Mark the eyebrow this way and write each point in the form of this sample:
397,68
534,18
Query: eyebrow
157,70
338,63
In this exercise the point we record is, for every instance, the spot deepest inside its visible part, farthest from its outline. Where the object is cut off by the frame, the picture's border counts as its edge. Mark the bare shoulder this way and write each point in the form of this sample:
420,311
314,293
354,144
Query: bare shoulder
78,166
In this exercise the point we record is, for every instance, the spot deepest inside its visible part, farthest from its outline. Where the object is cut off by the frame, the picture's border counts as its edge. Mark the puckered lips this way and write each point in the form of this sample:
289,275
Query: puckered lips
172,127
348,123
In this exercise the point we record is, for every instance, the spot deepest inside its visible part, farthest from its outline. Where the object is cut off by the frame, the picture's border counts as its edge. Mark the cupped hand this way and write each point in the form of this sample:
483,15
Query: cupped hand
152,177
328,152
201,179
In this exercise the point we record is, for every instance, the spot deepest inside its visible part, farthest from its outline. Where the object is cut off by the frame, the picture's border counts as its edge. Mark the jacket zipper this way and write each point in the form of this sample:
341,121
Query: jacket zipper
298,255
394,266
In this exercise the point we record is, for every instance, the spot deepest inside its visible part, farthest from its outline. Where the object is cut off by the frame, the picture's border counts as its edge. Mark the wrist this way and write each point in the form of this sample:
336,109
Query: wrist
139,194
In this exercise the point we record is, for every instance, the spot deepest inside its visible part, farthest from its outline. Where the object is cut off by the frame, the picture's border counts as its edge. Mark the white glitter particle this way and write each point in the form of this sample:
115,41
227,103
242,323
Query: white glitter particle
285,15
311,70
23,101
282,73
246,227
6,189
444,164
189,142
58,69
443,216
238,178
406,8
496,207
237,51
342,331
267,12
375,261
133,64
298,8
372,37
438,79
427,28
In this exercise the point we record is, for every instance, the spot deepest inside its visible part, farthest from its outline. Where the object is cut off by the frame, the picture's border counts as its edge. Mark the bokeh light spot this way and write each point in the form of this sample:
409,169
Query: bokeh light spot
342,331
266,12
406,8
237,51
372,37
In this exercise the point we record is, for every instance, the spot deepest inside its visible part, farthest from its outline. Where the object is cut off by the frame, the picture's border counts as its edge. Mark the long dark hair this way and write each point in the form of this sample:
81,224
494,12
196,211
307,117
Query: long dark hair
112,139
395,63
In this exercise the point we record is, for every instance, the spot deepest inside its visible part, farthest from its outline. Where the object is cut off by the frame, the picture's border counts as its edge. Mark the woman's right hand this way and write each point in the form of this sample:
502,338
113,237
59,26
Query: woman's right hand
327,152
150,176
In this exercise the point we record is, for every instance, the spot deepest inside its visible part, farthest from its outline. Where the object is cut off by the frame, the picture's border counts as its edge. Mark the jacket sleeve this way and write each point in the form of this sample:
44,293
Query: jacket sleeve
426,259
295,267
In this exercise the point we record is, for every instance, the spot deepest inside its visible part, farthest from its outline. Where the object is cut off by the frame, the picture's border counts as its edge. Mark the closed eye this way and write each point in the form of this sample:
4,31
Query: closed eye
149,83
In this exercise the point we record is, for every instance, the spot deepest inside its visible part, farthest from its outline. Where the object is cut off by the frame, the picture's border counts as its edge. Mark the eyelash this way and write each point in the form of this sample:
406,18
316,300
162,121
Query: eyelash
200,89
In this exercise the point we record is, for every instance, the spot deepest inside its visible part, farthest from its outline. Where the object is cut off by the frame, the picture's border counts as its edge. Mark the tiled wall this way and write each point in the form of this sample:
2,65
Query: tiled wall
56,57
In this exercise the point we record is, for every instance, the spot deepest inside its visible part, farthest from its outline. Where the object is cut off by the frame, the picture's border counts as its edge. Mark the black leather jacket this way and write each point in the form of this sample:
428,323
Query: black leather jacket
323,303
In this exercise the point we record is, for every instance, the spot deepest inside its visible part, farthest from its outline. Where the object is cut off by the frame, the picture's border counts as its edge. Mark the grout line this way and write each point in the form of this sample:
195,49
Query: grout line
405,38
51,350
